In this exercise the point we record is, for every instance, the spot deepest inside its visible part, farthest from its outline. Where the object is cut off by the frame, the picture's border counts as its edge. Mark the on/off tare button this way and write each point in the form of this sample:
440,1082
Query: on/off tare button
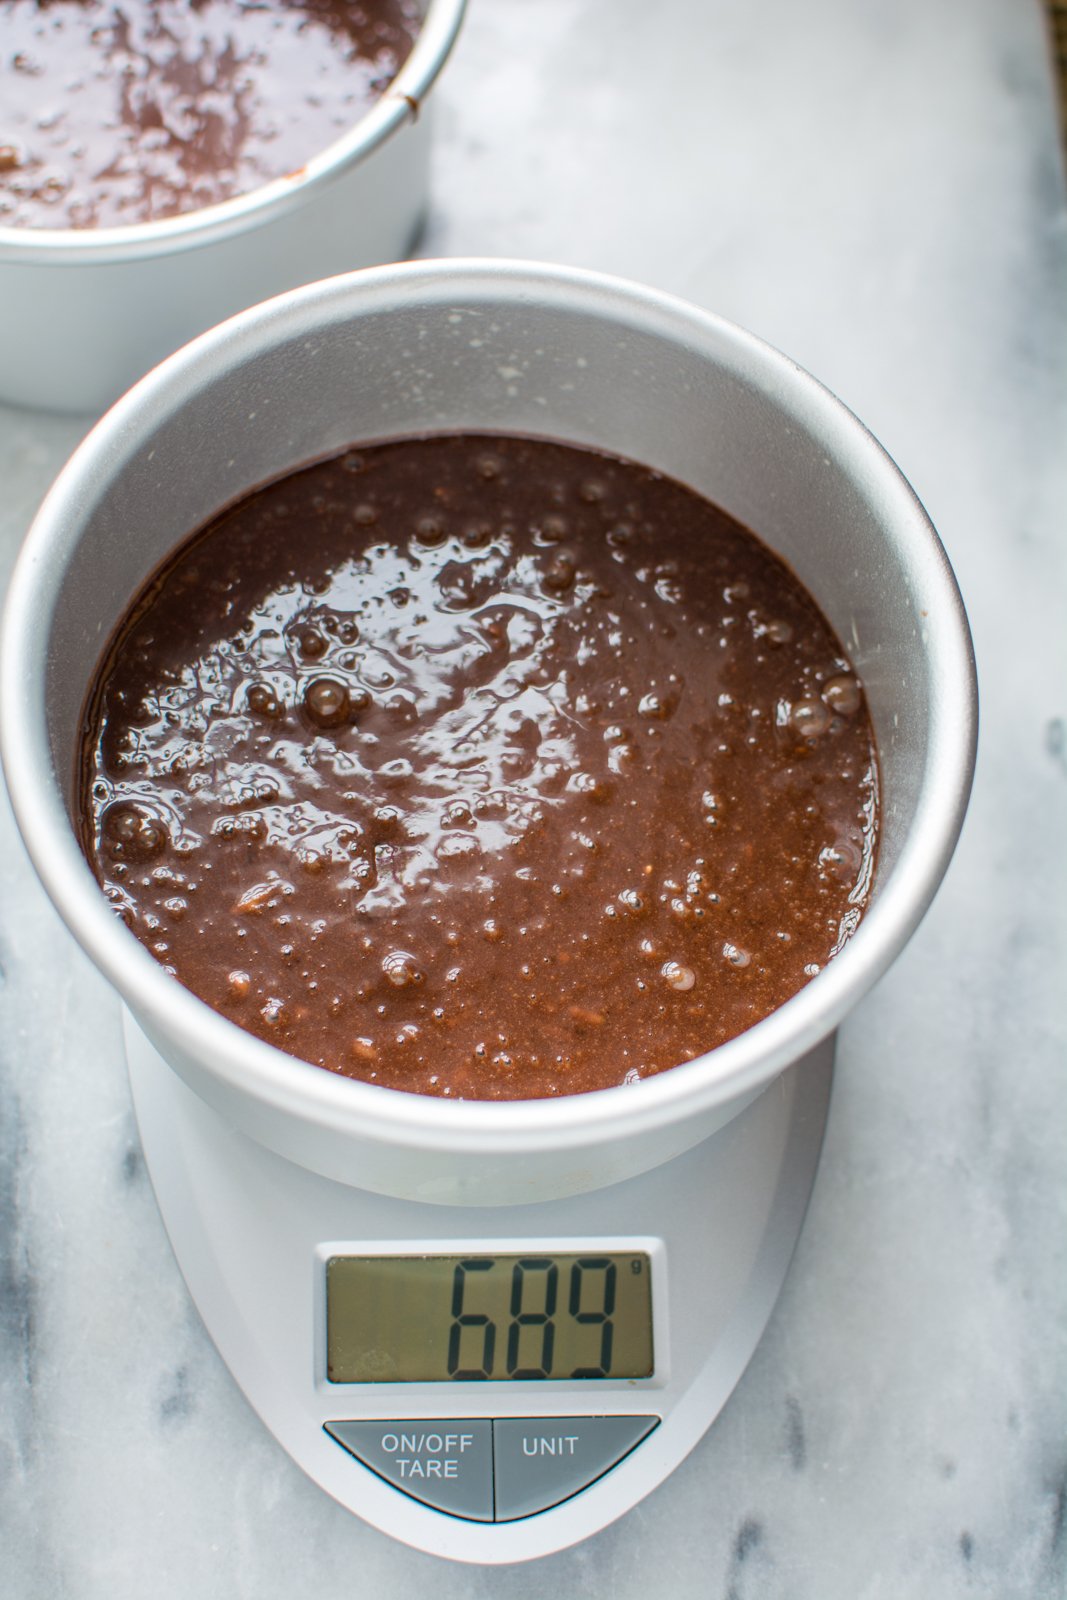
445,1464
543,1460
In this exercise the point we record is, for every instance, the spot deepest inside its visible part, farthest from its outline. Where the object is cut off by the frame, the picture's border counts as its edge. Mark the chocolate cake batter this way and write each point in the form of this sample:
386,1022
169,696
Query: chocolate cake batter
482,766
115,113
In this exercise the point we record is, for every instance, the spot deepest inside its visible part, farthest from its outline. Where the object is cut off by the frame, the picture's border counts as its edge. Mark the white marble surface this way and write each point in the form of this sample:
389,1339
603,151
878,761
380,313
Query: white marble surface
875,187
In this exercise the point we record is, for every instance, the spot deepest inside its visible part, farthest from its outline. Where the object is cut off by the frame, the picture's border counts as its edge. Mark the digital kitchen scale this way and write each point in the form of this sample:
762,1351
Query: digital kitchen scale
486,1384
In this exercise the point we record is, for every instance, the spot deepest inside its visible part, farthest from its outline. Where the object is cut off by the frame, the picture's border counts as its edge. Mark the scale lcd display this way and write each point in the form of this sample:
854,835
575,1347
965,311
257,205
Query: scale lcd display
497,1318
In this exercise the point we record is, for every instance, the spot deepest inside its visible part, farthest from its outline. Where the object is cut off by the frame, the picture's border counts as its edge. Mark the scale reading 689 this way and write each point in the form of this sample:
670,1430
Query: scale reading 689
429,1319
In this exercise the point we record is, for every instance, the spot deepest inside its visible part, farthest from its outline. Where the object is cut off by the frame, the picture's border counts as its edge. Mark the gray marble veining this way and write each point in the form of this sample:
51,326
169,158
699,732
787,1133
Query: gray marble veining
878,190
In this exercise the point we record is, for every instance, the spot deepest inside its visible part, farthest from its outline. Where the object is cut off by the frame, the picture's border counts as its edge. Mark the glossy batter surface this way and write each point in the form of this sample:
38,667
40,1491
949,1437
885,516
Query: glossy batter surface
116,113
483,767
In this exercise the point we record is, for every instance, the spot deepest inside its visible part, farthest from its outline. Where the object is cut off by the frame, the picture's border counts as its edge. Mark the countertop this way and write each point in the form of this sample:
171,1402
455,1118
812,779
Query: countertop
878,190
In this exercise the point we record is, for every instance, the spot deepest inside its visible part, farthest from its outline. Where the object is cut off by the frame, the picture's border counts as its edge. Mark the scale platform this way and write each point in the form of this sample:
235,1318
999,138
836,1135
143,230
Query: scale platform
488,1385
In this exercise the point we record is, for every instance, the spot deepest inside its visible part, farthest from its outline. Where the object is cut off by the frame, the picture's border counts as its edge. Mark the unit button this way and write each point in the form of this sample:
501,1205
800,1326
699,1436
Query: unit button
543,1460
447,1465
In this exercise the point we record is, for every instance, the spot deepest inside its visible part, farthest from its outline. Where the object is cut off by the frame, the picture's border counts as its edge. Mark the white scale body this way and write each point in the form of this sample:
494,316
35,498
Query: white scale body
532,1465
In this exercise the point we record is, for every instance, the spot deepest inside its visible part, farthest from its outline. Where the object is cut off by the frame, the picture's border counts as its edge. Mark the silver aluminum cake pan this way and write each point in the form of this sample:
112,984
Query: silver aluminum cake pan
85,312
537,350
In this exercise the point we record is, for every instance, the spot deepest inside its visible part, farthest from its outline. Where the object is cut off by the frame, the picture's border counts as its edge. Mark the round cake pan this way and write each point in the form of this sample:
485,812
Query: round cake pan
531,349
85,312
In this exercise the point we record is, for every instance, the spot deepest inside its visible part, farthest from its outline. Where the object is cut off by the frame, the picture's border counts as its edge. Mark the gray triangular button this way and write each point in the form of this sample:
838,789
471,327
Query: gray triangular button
445,1464
543,1460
